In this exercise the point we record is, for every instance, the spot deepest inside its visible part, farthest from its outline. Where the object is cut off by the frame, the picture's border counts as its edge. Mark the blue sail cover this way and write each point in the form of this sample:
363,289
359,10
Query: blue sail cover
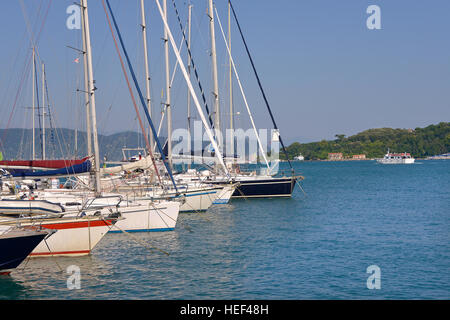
72,170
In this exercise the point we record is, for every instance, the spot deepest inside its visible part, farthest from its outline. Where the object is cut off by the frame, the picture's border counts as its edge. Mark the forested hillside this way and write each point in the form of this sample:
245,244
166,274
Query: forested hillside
420,142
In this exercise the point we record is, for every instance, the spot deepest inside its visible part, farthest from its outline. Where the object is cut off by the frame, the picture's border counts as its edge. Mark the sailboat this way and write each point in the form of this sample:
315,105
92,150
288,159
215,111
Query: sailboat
87,215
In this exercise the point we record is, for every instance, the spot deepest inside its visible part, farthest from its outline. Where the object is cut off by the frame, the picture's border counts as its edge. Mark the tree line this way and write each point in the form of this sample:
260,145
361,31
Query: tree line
419,142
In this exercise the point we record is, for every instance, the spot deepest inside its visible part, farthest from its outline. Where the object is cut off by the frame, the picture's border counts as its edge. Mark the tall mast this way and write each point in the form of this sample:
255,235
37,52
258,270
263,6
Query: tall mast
214,67
33,105
189,73
230,83
92,96
147,76
86,88
168,106
43,112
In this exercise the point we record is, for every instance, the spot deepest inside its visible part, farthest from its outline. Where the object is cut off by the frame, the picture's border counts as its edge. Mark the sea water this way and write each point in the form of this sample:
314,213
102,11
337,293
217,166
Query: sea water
324,243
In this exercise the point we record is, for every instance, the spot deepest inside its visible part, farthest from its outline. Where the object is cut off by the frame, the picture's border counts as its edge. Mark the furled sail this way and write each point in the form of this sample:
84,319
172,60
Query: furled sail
40,164
145,163
66,171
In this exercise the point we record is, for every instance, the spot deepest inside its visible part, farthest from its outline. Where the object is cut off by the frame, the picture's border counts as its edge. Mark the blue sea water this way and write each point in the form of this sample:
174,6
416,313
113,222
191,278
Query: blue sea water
315,246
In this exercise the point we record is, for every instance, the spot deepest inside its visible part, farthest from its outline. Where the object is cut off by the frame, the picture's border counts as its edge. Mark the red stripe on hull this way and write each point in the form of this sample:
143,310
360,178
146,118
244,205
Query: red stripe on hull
78,224
60,253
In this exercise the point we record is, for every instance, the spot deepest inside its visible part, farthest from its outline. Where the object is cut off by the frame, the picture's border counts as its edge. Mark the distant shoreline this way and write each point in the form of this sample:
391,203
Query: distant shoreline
352,160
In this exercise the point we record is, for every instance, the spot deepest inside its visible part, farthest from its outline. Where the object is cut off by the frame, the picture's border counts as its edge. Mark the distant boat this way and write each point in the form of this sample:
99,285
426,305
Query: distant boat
299,157
396,158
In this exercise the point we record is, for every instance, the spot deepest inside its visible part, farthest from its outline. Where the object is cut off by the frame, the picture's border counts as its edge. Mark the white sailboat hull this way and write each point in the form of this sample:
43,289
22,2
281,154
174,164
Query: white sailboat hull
139,215
74,236
192,199
199,201
148,217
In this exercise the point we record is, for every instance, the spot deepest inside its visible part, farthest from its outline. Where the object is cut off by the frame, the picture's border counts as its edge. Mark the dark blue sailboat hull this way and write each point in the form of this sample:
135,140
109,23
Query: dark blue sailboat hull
264,188
14,250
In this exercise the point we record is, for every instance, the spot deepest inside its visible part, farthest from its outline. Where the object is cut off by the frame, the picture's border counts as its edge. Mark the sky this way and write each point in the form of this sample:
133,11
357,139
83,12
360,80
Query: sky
323,70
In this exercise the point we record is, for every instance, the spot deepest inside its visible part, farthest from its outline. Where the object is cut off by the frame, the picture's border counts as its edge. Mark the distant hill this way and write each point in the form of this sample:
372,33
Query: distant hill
60,143
420,142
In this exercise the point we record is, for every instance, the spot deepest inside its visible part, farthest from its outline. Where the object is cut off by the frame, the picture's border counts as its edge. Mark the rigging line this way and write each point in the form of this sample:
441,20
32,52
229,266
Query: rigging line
163,112
50,119
26,68
20,150
242,91
132,96
128,82
211,122
5,133
140,93
176,221
34,44
13,66
260,85
34,41
38,108
59,142
176,63
27,21
43,21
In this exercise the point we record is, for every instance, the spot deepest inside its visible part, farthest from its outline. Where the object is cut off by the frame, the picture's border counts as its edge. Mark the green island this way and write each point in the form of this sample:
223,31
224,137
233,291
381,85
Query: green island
373,143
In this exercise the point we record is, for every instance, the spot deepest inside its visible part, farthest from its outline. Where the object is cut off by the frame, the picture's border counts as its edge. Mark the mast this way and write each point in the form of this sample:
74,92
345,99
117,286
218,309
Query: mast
214,67
168,106
189,74
43,112
92,96
147,76
33,107
86,88
230,84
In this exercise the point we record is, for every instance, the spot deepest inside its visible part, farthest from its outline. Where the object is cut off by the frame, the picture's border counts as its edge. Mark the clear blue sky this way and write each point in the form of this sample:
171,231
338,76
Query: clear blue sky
323,70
